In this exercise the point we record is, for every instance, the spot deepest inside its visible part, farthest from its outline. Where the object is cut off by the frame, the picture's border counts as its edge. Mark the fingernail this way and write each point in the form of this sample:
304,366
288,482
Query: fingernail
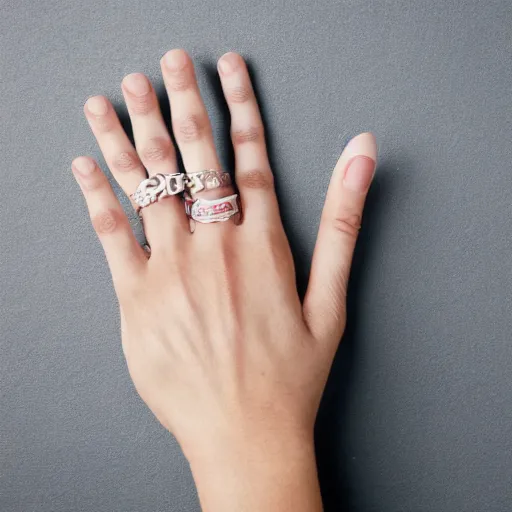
228,63
359,173
137,84
175,60
83,166
97,105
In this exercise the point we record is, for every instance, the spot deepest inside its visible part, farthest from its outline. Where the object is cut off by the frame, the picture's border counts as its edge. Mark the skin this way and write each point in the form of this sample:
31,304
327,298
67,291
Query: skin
216,339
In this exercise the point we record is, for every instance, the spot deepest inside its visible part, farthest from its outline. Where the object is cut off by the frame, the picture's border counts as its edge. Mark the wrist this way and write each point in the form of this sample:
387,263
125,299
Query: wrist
264,469
247,439
257,447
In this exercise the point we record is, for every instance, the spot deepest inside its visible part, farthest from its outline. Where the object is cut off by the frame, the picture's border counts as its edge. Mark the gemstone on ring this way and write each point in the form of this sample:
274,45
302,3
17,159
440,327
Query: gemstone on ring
211,210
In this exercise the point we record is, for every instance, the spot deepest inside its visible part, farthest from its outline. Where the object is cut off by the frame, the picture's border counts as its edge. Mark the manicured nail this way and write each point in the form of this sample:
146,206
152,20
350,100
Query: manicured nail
228,63
97,105
137,84
83,166
175,60
359,173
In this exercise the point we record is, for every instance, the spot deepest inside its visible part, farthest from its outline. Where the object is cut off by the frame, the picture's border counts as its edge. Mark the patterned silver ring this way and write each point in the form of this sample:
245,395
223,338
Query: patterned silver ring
157,187
208,179
206,211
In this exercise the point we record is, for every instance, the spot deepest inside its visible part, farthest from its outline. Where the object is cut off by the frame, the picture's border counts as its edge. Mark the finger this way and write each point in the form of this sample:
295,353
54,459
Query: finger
324,304
122,159
253,174
191,125
124,255
156,151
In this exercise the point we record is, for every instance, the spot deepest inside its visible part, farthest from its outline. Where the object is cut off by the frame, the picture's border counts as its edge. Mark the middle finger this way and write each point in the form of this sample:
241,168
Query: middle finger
190,123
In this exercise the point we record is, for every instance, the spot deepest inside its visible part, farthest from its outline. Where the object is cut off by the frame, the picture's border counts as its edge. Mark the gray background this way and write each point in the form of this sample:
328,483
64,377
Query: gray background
418,411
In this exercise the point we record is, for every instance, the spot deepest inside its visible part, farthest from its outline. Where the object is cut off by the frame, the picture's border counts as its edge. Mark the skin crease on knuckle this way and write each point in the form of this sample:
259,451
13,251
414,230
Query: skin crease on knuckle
255,179
127,161
347,224
181,80
159,149
142,105
190,129
108,221
242,135
239,94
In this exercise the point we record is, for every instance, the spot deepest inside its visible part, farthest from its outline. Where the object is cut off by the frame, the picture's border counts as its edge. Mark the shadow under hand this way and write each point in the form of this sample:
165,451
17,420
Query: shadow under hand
329,431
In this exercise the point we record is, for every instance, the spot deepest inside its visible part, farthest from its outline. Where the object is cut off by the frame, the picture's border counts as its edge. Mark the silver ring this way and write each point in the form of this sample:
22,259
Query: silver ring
157,187
208,179
206,211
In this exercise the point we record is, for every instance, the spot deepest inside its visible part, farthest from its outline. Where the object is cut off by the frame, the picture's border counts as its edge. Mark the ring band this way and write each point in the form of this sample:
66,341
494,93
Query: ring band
206,211
207,180
157,187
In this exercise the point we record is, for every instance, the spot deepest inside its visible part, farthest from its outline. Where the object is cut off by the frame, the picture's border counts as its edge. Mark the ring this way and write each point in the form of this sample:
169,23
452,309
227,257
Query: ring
156,187
211,210
208,179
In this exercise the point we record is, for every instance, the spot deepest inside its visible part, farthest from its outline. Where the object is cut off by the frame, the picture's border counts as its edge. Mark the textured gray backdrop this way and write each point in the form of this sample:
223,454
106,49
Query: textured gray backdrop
417,415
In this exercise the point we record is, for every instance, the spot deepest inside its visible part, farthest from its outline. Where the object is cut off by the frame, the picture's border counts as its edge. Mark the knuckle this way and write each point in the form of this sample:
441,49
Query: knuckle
239,94
142,105
243,135
349,224
107,221
159,149
126,161
255,179
181,80
190,128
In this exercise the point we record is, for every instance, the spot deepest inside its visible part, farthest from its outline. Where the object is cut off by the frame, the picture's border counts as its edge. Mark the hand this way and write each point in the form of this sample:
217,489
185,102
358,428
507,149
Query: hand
216,339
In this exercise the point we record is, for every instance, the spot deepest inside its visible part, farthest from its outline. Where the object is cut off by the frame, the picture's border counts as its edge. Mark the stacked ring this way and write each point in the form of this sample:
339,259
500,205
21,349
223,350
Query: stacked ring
206,211
207,180
202,210
157,187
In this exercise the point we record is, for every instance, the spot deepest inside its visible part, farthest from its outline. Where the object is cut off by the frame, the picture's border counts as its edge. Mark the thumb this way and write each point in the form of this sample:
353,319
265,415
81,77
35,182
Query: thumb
325,300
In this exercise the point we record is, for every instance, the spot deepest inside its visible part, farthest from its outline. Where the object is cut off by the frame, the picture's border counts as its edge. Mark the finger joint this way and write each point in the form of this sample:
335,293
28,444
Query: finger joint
159,149
347,225
126,161
190,129
261,179
143,105
107,222
243,135
181,80
240,94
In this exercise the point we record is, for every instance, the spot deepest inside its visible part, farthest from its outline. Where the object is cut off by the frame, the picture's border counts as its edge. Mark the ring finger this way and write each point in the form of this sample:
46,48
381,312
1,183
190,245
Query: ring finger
253,175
